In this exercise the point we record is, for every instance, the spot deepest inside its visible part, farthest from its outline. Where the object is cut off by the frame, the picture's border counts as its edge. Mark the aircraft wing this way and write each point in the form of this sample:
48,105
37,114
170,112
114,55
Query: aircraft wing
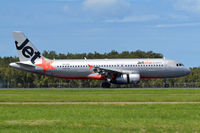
105,71
109,73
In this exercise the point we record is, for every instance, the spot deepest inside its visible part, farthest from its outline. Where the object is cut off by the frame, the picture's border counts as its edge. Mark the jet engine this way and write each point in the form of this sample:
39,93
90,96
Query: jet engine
126,79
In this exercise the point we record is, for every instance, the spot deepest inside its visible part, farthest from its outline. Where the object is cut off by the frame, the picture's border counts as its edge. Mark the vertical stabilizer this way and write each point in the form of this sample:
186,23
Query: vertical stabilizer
26,50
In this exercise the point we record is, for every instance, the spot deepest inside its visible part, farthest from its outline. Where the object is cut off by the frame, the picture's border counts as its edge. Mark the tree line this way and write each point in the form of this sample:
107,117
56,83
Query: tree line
12,78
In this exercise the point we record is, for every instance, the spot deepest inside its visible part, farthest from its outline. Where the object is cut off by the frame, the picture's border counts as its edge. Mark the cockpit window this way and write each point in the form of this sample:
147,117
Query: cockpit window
179,64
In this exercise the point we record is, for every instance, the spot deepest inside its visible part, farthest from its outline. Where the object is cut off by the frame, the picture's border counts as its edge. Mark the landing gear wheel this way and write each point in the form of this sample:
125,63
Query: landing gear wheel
105,85
166,83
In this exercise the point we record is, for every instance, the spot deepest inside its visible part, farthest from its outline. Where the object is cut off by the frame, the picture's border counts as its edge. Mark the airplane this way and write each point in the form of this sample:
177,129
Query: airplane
112,71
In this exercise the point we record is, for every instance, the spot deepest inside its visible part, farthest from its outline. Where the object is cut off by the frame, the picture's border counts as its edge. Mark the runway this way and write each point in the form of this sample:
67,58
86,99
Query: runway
93,103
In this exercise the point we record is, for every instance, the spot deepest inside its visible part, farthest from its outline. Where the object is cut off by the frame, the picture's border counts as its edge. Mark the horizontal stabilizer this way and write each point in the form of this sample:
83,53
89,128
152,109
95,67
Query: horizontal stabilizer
25,65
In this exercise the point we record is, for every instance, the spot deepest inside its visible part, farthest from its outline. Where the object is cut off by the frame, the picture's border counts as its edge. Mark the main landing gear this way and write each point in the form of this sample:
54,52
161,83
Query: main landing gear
105,84
166,83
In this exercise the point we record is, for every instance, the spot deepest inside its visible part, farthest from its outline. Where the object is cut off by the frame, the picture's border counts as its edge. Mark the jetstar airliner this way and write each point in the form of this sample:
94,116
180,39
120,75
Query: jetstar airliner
116,71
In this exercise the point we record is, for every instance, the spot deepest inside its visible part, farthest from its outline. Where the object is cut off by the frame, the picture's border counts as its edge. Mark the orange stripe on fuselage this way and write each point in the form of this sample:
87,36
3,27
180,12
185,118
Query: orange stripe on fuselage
90,77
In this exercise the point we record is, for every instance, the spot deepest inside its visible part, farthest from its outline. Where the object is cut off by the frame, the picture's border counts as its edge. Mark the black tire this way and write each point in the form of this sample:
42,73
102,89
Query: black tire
166,85
105,85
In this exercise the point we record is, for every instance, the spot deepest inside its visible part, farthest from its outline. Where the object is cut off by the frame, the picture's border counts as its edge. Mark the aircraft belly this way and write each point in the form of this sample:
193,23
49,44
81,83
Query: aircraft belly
72,73
153,73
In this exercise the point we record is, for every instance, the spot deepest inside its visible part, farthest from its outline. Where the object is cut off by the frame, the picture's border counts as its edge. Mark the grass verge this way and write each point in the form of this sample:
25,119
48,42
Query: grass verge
101,95
99,118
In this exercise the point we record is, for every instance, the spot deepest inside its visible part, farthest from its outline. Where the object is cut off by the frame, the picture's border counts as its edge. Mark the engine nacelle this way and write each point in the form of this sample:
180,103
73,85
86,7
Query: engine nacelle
127,79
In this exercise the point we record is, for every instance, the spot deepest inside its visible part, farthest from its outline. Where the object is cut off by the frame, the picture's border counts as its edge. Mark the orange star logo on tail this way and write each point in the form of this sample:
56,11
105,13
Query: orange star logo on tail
46,65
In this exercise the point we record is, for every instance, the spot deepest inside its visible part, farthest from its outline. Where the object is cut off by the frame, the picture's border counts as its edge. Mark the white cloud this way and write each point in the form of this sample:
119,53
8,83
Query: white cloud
106,8
134,19
177,25
192,6
65,8
109,11
180,17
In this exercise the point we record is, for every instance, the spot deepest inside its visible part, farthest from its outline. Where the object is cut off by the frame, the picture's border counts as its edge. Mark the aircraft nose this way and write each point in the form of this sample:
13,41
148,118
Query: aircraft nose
187,71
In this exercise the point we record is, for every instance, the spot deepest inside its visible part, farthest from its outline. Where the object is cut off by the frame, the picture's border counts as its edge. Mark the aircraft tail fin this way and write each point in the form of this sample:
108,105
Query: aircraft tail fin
26,50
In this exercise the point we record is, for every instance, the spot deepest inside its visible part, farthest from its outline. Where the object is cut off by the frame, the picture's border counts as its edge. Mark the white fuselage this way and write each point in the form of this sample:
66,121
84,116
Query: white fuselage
80,68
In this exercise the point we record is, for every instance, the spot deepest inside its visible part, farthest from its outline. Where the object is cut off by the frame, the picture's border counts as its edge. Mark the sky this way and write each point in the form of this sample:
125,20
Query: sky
170,27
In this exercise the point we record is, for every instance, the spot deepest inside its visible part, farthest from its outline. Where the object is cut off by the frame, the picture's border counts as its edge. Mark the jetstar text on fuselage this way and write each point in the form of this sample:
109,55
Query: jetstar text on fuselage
148,63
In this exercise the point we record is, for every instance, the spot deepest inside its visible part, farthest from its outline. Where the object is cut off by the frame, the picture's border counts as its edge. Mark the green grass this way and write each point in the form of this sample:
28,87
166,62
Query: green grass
99,118
180,118
101,95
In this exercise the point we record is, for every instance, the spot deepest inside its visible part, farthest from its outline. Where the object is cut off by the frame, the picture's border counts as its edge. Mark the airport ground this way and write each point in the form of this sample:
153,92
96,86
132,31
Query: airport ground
99,110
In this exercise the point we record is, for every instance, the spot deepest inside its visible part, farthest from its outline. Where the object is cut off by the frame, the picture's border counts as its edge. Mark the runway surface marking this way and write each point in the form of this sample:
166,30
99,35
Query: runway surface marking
92,103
